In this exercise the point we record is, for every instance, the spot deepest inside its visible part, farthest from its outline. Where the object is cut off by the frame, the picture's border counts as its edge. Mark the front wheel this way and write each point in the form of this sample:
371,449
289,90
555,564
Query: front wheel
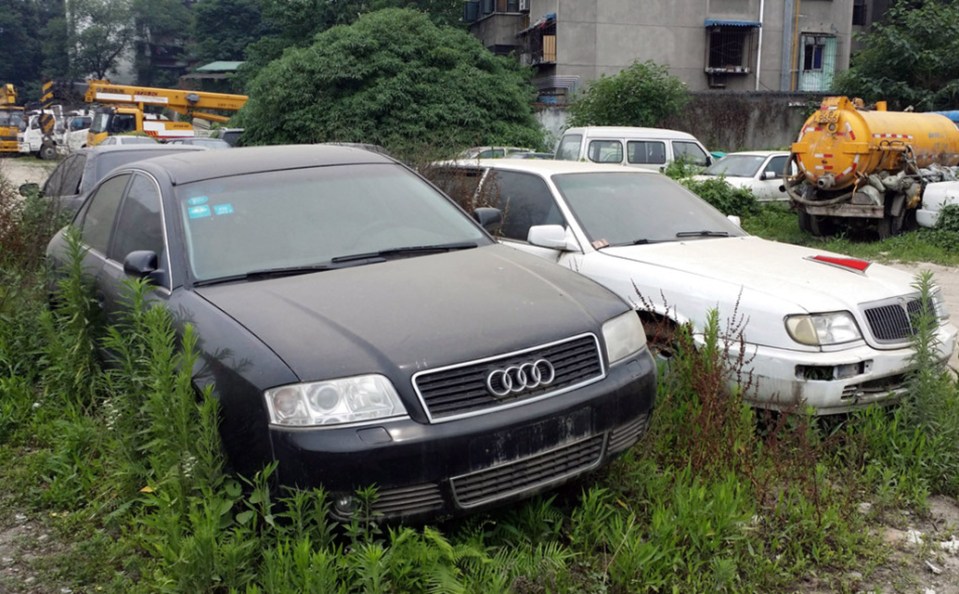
48,152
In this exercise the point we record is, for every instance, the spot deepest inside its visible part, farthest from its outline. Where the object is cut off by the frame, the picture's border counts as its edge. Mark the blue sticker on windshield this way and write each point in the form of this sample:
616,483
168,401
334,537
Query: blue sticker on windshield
197,201
223,209
198,212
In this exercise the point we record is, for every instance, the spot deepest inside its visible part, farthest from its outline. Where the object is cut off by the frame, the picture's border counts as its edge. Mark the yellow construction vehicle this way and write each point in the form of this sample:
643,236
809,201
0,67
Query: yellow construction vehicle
11,119
126,109
867,168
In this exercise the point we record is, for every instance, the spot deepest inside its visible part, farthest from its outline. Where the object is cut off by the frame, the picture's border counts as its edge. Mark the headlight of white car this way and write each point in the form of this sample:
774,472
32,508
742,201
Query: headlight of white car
939,305
624,336
334,402
823,329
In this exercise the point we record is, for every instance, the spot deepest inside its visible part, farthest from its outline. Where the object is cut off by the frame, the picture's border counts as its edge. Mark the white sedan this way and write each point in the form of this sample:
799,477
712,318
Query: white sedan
821,329
758,171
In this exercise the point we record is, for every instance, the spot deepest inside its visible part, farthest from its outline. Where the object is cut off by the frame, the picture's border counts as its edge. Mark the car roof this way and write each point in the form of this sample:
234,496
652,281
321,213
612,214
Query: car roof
256,159
629,131
126,148
548,166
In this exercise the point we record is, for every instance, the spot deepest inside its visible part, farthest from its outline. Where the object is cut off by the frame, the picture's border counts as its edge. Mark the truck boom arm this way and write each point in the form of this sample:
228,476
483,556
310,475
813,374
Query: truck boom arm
189,103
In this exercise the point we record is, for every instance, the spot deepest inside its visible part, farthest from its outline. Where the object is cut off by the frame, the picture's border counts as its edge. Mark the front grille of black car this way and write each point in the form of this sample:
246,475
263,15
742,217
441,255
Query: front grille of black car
892,322
408,501
529,473
460,390
624,436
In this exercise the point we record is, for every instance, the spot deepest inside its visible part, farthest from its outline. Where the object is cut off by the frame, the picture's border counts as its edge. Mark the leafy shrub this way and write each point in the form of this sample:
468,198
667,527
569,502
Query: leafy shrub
644,94
728,199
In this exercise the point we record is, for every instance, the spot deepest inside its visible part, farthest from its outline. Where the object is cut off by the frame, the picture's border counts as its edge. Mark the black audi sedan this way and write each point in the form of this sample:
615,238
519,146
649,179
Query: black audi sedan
360,329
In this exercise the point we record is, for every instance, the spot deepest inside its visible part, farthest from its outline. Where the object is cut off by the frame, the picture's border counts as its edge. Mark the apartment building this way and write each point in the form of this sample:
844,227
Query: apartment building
735,45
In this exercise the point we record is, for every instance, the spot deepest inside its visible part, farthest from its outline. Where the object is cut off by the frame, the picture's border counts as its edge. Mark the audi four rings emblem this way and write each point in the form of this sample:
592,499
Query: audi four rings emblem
519,378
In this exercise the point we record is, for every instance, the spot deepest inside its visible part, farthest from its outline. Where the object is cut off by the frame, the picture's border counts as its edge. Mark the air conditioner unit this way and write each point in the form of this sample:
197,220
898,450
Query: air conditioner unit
524,5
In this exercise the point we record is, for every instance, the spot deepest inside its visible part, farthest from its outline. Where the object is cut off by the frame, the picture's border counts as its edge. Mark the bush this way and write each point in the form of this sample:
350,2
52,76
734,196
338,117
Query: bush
728,199
643,94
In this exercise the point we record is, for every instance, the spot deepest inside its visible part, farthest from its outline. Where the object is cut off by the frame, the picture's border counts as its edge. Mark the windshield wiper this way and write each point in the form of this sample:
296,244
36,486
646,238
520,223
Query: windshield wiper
266,273
405,251
703,233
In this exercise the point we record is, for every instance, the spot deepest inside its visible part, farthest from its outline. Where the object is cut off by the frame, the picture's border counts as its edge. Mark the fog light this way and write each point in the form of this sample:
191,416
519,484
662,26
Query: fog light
344,505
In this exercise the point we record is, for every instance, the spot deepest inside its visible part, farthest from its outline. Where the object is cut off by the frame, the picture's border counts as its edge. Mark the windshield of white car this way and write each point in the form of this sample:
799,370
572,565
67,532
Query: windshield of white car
736,166
628,208
307,217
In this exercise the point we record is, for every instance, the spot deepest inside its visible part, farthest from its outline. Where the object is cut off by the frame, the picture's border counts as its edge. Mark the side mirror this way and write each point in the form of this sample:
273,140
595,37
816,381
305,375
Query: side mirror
487,216
29,189
768,175
735,219
143,264
552,237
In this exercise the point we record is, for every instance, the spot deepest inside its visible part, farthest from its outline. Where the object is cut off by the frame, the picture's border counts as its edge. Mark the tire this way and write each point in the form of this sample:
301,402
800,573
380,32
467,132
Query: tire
815,225
48,152
890,226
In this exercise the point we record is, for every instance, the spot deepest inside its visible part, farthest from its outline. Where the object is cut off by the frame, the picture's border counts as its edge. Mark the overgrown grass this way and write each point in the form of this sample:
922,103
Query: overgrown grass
123,464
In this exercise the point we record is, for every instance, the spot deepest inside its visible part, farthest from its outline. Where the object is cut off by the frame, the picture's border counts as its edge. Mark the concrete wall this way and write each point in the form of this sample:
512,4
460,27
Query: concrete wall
725,121
597,37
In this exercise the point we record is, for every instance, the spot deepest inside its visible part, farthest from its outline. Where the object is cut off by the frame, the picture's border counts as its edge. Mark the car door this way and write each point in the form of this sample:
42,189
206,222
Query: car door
770,178
138,227
95,224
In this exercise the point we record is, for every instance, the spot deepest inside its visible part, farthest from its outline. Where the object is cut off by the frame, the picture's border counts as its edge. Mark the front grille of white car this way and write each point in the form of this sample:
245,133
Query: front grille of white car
892,321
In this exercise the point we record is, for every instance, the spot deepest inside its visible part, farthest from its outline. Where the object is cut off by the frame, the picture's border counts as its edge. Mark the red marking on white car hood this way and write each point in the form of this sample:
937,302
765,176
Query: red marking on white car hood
852,264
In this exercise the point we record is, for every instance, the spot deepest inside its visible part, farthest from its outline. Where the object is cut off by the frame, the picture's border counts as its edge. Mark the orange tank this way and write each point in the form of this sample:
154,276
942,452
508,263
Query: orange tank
841,140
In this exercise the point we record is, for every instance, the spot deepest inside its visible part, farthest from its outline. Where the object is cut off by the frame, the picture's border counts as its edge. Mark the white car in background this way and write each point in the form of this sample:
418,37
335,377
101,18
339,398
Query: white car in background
821,329
758,171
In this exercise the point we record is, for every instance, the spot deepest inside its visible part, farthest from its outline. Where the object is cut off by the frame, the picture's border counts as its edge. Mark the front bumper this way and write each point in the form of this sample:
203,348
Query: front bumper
783,379
438,470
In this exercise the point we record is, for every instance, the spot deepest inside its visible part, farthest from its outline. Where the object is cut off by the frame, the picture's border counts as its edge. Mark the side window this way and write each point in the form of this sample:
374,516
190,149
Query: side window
458,184
52,186
568,149
646,152
777,165
605,151
525,200
100,213
73,175
139,223
689,152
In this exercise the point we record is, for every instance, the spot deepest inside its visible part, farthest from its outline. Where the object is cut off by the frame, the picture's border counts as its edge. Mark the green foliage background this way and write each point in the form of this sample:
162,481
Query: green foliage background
909,58
642,95
396,79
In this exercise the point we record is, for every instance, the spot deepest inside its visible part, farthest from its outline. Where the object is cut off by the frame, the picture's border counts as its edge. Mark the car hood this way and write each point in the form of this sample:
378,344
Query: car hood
417,313
780,271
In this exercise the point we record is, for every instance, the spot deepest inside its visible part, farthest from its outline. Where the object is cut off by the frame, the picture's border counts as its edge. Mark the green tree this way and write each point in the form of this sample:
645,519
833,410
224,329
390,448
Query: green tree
224,28
294,23
99,32
19,46
162,31
910,58
642,95
396,79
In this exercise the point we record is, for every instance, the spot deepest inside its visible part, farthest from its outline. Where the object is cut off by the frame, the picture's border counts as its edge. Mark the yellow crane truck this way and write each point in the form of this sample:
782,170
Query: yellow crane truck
11,119
124,109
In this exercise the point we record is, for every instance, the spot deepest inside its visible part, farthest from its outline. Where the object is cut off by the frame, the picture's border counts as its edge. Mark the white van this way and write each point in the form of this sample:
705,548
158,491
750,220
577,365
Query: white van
651,148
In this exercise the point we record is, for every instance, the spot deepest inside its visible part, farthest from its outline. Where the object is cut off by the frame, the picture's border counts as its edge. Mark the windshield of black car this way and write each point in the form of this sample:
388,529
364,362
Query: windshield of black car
631,207
307,217
736,166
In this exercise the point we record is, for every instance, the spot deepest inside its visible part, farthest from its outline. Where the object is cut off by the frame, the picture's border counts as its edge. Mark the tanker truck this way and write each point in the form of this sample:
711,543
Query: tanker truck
866,169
